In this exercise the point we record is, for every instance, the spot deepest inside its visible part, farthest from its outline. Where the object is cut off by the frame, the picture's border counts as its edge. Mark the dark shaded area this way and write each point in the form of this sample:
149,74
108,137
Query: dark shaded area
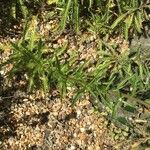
7,21
142,40
36,119
145,144
43,117
68,117
144,95
10,96
11,16
7,122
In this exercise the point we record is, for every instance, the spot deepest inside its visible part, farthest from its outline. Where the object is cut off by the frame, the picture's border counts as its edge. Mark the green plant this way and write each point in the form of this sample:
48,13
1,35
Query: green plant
24,8
116,78
73,11
42,68
28,59
19,4
117,16
115,83
70,11
98,24
131,16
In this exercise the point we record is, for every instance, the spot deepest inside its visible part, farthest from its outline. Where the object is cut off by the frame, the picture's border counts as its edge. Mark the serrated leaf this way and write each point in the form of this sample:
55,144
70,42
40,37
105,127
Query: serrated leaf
76,15
139,17
65,14
123,83
13,10
118,20
128,22
137,24
45,83
146,15
23,8
90,3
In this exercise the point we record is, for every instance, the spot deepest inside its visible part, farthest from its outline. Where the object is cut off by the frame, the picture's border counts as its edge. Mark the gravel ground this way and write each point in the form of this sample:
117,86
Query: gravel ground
52,124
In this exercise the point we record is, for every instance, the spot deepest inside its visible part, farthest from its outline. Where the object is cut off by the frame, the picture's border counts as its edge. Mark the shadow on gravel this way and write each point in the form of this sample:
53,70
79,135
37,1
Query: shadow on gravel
11,16
8,124
10,96
7,21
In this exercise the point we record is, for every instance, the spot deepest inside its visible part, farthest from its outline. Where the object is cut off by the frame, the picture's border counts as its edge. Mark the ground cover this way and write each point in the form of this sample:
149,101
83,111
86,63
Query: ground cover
70,84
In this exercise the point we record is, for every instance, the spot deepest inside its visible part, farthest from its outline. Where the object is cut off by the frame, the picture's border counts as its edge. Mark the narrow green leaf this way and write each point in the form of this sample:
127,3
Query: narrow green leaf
123,83
23,8
13,10
76,15
130,108
128,22
65,14
77,97
139,17
118,20
137,24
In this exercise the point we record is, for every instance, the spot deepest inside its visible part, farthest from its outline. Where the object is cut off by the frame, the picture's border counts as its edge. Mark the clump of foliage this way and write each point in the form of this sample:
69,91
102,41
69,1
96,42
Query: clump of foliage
108,16
103,17
43,67
31,58
121,75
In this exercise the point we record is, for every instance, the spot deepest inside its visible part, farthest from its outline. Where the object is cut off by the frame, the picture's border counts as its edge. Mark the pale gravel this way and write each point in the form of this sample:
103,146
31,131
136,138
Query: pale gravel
65,127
